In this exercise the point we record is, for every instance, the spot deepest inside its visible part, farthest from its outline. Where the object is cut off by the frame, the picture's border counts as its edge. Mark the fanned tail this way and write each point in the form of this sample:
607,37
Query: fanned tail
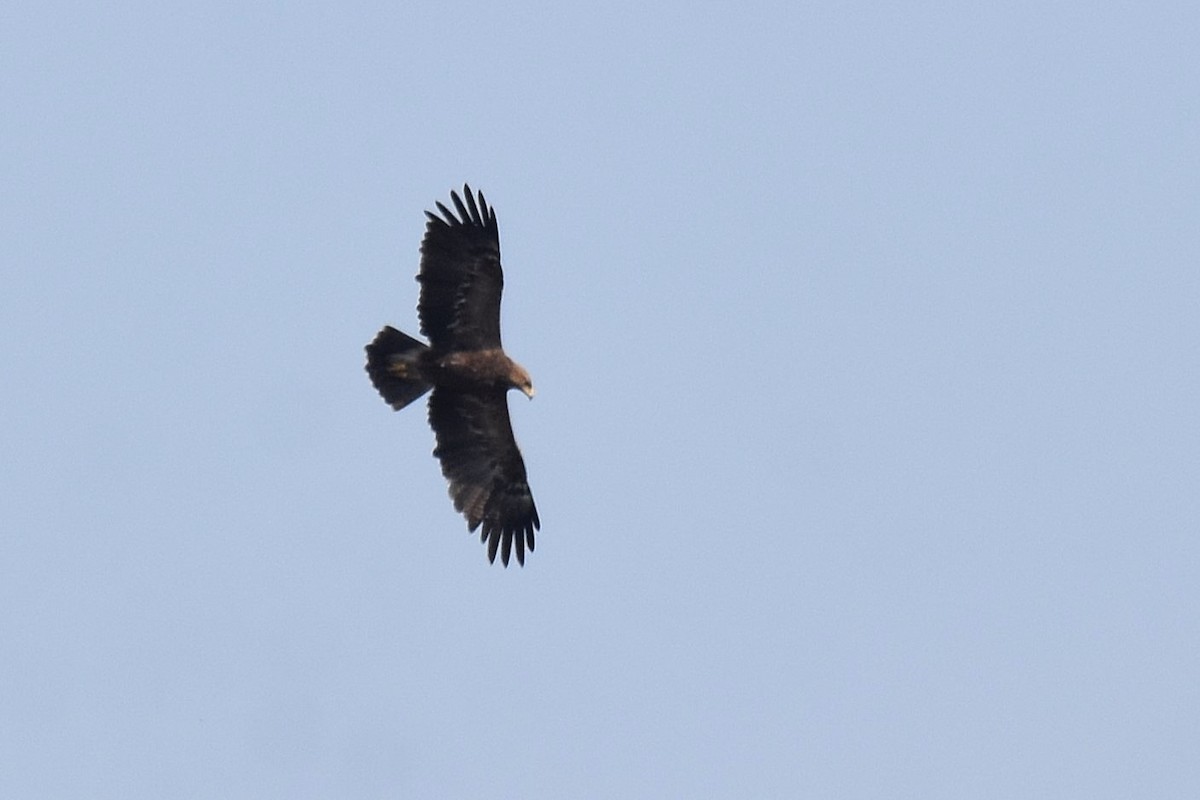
393,364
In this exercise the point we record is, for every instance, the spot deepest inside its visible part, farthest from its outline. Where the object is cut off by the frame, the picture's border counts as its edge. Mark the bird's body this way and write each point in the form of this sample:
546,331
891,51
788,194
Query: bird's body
469,373
468,369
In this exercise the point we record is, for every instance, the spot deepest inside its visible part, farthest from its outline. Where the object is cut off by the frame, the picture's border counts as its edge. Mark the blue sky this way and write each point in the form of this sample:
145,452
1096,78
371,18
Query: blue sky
865,444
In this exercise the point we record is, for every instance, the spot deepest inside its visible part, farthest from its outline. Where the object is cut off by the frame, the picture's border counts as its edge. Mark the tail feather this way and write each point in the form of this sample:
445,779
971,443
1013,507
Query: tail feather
392,363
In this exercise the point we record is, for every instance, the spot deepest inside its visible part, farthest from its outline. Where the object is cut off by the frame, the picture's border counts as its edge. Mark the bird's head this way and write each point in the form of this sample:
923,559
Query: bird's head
519,379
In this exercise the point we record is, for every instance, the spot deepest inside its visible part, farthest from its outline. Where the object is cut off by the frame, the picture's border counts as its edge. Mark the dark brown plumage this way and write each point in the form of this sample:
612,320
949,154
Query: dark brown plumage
469,373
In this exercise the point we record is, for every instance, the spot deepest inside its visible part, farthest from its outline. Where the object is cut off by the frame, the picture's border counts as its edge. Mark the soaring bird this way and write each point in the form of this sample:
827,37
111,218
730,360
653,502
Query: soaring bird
468,371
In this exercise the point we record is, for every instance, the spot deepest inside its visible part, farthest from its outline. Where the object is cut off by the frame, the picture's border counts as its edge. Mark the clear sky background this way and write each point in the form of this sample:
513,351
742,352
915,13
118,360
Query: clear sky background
866,442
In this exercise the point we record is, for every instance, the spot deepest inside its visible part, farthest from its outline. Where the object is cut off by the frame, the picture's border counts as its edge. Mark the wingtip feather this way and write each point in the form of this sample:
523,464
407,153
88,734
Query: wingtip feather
463,215
448,217
506,539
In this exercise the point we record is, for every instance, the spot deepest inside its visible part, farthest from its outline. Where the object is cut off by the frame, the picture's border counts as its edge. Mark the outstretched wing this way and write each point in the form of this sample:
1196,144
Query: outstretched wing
487,475
460,276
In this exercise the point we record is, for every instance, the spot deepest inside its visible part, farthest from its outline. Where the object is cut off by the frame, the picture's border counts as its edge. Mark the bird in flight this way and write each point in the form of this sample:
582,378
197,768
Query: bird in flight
468,371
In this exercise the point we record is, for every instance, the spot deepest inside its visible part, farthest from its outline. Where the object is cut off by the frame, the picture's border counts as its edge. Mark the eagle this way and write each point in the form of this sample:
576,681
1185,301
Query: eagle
469,374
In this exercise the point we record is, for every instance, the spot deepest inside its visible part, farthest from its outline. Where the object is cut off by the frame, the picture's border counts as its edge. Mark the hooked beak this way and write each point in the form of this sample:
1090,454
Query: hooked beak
530,392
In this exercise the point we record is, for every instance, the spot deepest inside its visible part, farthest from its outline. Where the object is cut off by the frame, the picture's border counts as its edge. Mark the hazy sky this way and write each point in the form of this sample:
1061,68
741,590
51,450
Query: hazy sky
866,443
